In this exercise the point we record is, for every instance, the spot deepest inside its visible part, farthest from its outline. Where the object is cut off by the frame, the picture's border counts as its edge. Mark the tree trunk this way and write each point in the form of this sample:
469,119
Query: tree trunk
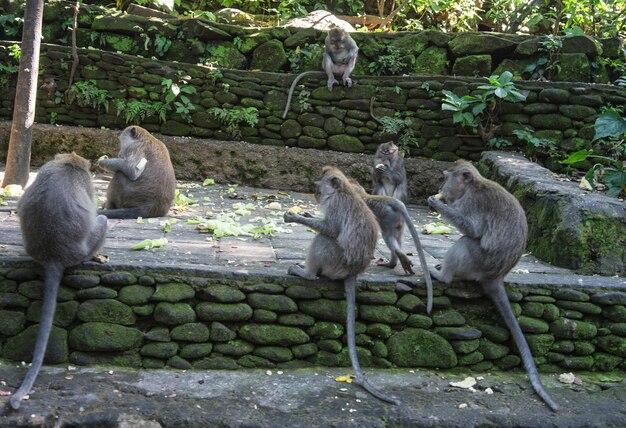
18,158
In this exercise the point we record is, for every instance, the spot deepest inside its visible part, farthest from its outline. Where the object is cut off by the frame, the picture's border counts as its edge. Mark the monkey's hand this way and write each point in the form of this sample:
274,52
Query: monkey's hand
331,81
291,217
434,203
381,167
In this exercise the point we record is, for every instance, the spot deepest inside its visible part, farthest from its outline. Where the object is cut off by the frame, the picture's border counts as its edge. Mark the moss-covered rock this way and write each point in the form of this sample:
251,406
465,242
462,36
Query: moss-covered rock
264,316
539,344
300,292
135,294
615,313
345,143
12,322
191,332
222,294
119,278
433,60
419,321
81,280
465,346
97,292
271,302
411,303
472,65
100,336
173,292
21,346
223,311
577,363
330,345
606,362
491,350
274,353
64,315
13,300
303,351
479,43
379,330
448,318
254,361
124,359
162,350
270,56
296,320
386,314
227,55
195,350
106,310
470,359
174,313
613,345
273,335
458,333
158,334
571,329
414,347
326,330
574,67
325,309
215,363
533,325
235,347
221,333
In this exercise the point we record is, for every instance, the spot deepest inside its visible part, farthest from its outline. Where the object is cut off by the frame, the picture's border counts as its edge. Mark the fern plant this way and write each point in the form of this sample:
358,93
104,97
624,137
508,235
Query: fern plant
233,117
87,94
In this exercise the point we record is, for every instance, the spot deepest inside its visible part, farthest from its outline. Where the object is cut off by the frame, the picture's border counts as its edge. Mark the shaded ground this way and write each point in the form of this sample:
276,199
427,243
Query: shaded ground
112,397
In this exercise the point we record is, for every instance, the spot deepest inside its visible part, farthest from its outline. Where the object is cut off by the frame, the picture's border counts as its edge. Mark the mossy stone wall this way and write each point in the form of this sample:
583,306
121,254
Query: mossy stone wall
161,318
339,120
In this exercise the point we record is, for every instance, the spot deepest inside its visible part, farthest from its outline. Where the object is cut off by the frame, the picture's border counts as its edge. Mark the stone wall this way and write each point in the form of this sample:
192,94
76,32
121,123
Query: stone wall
339,120
155,318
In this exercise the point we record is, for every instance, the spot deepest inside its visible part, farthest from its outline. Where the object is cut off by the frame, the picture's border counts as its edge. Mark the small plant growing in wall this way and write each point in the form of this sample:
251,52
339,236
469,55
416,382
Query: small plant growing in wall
610,171
300,57
392,63
87,94
303,100
11,66
547,65
234,117
479,112
176,94
402,129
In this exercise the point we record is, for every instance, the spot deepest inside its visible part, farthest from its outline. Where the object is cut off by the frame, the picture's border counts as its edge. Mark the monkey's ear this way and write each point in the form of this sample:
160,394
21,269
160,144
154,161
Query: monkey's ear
335,182
467,177
133,132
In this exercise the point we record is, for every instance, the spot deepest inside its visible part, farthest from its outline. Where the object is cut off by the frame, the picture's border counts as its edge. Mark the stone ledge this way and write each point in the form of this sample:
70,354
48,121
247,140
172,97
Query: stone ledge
568,227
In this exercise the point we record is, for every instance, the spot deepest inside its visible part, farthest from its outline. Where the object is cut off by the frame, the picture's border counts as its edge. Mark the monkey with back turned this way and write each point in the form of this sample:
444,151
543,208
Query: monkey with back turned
389,174
392,215
59,229
494,230
339,59
341,250
143,183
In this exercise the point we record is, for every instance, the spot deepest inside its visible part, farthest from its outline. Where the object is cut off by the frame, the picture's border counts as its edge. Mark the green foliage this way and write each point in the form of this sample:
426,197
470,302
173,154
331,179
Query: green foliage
176,94
87,94
392,63
613,176
499,143
610,124
136,112
543,148
10,67
479,112
547,66
303,100
301,56
233,117
403,130
161,44
15,51
11,25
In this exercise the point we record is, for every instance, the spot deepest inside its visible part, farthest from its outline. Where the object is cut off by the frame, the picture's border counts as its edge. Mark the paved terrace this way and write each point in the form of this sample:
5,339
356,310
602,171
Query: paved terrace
113,396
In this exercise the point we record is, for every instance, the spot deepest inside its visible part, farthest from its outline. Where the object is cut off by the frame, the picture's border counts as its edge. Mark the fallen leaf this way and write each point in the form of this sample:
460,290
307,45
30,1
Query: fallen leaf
584,184
436,229
466,383
568,378
345,378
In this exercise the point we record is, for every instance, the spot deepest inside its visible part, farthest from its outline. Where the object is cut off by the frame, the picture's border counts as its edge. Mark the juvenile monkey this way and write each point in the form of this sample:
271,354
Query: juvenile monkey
341,250
59,229
392,215
143,183
340,53
494,230
389,174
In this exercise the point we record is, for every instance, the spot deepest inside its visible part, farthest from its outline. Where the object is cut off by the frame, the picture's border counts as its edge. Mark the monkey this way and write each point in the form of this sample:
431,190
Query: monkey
494,228
341,250
143,183
59,229
339,59
389,174
392,215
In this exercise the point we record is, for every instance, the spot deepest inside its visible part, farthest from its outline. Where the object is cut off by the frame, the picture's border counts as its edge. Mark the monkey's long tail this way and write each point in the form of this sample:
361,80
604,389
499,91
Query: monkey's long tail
350,287
53,273
293,86
422,257
121,213
498,294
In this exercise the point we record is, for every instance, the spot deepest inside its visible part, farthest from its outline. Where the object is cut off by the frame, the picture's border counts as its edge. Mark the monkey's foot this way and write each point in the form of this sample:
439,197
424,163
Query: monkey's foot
331,83
347,82
388,264
301,272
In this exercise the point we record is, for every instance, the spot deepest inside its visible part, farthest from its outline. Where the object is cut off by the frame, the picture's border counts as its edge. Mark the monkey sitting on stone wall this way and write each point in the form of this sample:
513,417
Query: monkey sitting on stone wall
59,229
341,250
143,183
494,230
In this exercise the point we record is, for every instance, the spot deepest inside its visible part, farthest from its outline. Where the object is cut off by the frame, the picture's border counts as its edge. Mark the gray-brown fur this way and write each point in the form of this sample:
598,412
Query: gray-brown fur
135,192
342,249
392,215
339,59
389,173
59,229
494,230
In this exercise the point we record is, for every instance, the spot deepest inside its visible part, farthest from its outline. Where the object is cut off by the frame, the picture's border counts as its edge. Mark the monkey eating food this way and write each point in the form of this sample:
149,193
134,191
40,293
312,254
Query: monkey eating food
143,183
341,250
340,54
494,230
389,174
59,229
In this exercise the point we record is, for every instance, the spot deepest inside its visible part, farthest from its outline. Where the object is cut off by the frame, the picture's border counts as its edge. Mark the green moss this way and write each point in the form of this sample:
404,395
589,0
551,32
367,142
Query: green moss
191,332
21,346
326,330
414,347
273,335
173,292
100,336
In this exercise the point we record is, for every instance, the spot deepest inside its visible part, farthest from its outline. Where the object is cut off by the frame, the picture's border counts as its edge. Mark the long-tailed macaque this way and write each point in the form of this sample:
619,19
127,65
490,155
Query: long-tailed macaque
59,229
389,174
341,250
392,215
143,183
494,230
340,54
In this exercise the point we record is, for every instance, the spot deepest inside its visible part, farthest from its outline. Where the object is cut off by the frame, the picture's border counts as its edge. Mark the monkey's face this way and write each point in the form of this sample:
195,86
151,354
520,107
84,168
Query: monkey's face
455,184
129,136
388,152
